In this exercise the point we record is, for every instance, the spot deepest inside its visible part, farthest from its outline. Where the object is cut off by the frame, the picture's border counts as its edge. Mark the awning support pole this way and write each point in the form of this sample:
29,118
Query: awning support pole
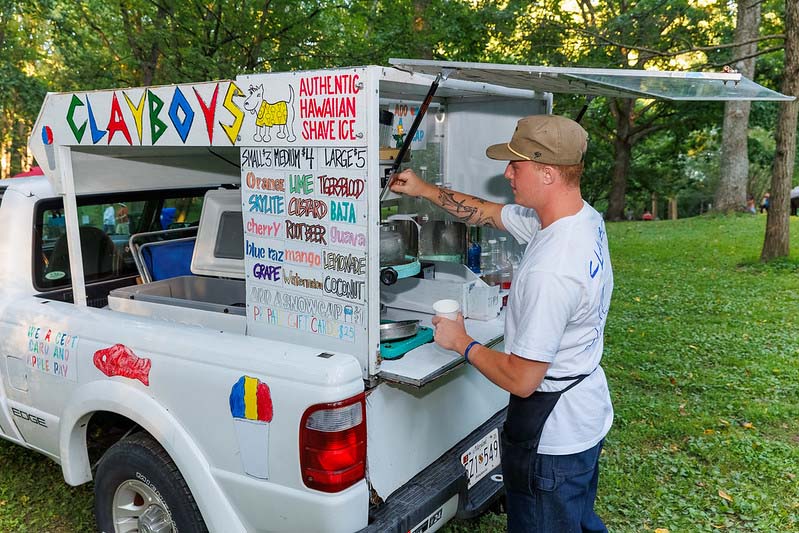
72,223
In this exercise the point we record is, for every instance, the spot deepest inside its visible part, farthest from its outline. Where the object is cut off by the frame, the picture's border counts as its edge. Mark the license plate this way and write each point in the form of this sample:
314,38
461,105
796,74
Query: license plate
481,458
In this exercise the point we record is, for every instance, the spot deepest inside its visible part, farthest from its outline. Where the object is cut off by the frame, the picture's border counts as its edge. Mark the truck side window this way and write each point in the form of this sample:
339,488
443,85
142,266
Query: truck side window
106,225
181,212
102,255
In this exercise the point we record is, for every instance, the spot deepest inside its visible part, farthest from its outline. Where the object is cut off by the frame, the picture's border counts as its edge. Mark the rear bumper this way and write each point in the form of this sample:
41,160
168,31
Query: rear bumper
430,489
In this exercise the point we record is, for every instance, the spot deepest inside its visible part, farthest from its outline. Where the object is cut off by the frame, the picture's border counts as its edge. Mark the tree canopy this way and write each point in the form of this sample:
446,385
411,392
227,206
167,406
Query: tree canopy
644,153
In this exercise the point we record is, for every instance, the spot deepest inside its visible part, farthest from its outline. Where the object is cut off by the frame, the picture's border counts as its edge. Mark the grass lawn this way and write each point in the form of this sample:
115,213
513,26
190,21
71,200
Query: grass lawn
702,355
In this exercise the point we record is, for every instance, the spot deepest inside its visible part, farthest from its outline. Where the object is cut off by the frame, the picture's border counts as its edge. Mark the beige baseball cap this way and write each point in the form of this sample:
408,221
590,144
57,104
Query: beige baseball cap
548,139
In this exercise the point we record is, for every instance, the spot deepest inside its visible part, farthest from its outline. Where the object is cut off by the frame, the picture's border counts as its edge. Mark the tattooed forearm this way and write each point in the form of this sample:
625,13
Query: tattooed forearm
487,221
467,208
459,209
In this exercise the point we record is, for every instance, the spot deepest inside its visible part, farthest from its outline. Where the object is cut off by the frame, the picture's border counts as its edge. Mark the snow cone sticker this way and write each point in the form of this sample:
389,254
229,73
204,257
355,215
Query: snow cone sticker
49,149
251,408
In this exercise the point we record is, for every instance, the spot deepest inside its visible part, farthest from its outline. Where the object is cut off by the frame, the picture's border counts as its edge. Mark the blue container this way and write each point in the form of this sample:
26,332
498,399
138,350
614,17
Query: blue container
473,257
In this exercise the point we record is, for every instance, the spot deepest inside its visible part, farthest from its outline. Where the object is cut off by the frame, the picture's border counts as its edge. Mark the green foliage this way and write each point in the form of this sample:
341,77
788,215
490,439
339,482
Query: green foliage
21,92
58,45
134,42
651,34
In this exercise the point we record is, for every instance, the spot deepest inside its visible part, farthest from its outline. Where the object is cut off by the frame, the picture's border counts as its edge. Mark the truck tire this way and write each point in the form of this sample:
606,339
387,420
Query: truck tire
138,488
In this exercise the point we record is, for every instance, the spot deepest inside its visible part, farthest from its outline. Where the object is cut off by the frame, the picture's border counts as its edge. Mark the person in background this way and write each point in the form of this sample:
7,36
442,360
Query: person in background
559,409
167,217
765,202
647,215
123,222
109,219
750,205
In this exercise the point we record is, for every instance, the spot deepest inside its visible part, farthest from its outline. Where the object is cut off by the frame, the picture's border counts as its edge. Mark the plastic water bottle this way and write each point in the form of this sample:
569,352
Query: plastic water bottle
422,207
474,250
504,264
488,263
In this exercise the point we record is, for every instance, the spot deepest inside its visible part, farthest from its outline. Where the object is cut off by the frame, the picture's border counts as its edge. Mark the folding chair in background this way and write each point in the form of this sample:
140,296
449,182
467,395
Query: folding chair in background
163,254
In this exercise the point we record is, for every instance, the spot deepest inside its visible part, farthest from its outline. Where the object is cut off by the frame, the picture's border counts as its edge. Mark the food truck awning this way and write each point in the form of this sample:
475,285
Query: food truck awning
620,83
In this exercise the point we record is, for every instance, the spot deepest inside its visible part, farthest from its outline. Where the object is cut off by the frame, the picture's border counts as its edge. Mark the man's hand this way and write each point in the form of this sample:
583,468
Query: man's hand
466,208
451,334
409,184
515,374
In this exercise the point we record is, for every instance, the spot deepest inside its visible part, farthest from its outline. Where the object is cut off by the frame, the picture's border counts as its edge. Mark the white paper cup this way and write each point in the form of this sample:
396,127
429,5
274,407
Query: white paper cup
447,309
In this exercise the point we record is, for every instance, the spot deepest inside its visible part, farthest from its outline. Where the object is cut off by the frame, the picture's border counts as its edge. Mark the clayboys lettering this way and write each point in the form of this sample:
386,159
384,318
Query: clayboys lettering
167,109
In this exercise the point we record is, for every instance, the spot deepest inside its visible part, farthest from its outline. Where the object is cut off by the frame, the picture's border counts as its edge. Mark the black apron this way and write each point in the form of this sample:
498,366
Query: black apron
521,433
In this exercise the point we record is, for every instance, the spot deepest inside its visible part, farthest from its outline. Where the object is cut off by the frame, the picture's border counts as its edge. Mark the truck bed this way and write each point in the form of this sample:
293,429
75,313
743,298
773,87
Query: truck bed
208,302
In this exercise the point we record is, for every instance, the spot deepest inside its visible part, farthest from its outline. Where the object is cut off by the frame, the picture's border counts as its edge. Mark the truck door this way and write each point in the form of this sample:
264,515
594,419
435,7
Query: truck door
6,426
42,337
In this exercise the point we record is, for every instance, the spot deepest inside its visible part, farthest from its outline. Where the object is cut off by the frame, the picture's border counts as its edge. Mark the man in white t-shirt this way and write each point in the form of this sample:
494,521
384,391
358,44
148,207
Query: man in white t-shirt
559,410
109,219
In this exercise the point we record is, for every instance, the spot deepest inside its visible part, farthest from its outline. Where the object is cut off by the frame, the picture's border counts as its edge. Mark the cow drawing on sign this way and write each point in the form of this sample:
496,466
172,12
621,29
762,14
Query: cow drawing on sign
268,115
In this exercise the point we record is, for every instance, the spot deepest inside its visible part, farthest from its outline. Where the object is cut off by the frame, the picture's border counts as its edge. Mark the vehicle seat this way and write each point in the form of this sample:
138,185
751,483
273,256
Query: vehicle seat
100,256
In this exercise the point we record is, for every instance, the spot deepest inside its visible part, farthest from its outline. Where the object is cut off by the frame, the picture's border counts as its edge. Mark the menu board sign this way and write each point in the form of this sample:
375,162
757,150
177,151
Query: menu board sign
305,214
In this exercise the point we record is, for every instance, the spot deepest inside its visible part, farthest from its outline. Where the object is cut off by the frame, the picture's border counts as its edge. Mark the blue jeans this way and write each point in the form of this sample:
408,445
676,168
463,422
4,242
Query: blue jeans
561,496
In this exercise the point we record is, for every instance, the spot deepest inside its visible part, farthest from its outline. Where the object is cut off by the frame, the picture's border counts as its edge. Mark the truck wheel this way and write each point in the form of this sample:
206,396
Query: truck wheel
138,488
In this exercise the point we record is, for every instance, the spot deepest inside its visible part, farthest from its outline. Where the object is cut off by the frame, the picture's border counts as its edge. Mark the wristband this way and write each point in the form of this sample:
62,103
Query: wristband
468,349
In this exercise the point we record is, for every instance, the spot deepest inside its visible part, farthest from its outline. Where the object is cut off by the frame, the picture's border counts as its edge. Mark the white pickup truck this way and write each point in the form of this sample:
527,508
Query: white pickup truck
237,382
150,407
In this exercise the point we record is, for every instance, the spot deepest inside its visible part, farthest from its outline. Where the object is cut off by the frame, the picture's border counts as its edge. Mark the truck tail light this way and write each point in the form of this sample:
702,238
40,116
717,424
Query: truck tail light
333,444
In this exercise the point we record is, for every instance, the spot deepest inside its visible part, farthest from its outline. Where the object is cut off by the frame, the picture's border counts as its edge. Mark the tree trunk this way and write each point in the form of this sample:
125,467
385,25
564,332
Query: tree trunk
20,151
5,159
777,240
622,111
654,202
5,142
734,167
421,29
673,208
